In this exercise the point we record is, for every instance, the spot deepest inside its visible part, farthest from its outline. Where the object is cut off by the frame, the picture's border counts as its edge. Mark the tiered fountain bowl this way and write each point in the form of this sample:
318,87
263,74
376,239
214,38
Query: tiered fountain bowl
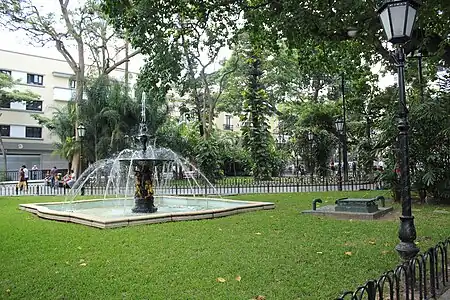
137,187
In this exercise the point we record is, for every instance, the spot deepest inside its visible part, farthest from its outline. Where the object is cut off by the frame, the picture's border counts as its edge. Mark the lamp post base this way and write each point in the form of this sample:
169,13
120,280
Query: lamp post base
407,249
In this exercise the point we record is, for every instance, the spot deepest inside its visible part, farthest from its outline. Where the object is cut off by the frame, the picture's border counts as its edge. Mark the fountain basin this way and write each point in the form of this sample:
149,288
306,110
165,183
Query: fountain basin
116,212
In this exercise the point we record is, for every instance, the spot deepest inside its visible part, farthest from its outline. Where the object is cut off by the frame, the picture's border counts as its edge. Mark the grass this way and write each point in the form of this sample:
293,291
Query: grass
279,254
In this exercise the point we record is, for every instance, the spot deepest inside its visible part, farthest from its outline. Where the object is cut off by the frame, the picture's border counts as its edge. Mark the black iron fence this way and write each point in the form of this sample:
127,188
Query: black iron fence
98,186
422,277
33,174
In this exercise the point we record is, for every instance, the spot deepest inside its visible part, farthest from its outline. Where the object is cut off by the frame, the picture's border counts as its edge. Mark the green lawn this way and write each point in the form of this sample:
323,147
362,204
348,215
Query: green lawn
280,254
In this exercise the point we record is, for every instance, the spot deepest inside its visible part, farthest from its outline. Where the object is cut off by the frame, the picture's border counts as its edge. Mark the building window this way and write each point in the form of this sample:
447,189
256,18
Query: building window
4,130
34,105
35,79
228,125
6,72
33,132
5,103
72,83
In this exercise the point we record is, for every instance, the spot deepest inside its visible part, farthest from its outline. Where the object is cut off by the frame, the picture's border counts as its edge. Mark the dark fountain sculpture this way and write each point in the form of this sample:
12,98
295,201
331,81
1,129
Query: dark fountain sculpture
143,170
144,201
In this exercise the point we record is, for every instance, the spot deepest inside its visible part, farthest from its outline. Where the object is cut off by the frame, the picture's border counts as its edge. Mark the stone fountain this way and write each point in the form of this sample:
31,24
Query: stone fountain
133,185
144,202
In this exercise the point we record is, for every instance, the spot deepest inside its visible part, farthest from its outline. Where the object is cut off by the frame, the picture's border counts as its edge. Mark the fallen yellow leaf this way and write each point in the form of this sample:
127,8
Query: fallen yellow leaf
258,233
83,265
238,278
348,253
220,279
260,297
372,242
319,252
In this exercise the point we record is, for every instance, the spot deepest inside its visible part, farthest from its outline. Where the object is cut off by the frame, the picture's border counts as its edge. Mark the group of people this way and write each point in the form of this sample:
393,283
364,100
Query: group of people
55,179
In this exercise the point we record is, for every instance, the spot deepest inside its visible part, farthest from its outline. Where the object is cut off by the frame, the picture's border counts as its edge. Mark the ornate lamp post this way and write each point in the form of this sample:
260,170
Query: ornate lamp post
311,139
339,123
81,131
398,18
343,133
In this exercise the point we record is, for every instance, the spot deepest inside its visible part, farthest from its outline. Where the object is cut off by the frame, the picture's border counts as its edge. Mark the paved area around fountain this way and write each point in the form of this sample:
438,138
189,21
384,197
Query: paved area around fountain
109,213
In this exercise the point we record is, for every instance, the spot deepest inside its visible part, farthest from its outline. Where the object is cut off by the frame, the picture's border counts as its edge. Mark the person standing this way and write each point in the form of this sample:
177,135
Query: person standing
26,174
21,182
53,173
34,172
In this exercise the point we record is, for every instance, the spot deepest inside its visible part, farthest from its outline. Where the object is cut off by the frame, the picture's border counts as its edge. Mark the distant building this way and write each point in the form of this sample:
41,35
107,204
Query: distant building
25,141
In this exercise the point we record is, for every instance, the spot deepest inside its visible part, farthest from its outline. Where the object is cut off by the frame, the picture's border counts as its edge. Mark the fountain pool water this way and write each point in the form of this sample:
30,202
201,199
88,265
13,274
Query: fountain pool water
111,213
134,189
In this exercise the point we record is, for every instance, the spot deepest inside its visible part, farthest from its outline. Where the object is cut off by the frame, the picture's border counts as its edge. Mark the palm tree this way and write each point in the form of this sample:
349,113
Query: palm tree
62,125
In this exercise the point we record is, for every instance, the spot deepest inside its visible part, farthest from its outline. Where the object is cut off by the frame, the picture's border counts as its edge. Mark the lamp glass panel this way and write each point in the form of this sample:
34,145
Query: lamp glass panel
398,19
410,20
339,125
384,16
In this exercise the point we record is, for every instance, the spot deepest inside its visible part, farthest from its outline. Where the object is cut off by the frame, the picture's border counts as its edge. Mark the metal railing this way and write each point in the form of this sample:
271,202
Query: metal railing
33,174
98,186
422,277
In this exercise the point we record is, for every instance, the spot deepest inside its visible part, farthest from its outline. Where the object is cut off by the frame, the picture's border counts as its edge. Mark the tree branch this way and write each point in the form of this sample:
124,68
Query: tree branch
222,79
122,61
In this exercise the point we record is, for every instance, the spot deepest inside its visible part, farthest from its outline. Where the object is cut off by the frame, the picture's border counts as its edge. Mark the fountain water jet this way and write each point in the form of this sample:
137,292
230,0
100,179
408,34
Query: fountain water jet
134,190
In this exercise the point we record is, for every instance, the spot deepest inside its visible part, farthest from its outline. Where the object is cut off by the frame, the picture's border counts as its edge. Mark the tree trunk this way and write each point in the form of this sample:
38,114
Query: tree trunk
126,73
80,78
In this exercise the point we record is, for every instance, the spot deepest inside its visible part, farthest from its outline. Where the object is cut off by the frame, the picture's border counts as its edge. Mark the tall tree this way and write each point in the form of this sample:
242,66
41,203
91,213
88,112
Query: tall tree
61,124
81,28
182,40
257,137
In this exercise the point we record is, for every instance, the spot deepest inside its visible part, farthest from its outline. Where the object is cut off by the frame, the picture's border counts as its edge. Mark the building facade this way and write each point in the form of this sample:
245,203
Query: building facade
25,141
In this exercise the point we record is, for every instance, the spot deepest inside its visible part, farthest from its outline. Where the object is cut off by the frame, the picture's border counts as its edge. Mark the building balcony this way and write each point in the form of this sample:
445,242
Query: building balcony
227,127
63,94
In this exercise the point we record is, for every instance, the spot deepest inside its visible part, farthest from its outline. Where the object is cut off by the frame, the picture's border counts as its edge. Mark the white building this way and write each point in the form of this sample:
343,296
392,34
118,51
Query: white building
25,141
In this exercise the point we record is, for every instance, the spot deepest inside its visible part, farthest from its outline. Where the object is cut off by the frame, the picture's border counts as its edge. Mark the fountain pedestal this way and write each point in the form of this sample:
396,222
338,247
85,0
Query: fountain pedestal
143,196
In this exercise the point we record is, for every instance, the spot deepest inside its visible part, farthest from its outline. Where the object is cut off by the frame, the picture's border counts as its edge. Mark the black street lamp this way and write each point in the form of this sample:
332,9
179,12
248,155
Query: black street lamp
398,18
311,139
81,131
344,129
418,54
339,123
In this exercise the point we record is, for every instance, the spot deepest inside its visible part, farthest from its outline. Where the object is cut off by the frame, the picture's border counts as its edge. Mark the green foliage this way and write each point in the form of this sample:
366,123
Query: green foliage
62,125
257,138
109,115
208,158
179,137
8,94
428,153
235,159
